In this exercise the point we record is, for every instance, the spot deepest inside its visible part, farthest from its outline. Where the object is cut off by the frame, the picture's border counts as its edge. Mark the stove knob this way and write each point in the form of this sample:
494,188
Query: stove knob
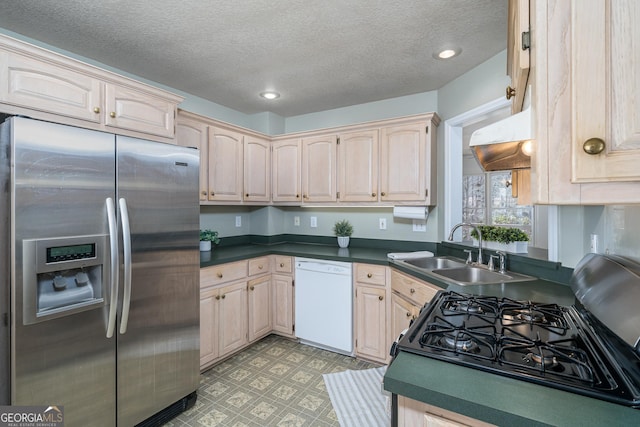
393,351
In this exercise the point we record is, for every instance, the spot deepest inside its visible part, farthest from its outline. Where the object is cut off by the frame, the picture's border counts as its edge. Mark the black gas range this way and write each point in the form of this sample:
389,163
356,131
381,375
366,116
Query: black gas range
569,348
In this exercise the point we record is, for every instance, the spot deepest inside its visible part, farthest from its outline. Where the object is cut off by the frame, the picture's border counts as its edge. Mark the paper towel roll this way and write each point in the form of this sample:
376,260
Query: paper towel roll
411,212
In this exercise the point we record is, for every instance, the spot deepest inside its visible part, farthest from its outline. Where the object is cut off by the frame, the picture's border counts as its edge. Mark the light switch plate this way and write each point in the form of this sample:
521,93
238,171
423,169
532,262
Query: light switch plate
383,223
420,225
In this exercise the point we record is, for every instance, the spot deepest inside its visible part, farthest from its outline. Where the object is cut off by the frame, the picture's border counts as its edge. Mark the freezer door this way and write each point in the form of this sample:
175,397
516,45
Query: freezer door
158,328
60,180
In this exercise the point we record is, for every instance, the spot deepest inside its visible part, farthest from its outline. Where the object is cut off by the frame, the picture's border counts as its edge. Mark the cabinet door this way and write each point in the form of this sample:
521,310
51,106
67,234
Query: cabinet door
191,133
606,89
402,312
319,169
517,57
28,82
282,304
257,169
225,165
259,295
287,167
233,317
402,163
358,166
130,109
371,315
208,326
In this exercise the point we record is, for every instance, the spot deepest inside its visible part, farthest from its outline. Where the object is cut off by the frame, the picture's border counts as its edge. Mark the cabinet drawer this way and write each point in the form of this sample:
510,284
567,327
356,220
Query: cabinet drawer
258,265
415,290
369,273
223,273
283,264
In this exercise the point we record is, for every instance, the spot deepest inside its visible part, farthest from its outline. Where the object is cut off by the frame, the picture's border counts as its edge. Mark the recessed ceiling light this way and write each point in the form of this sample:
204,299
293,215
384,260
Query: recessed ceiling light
447,53
270,95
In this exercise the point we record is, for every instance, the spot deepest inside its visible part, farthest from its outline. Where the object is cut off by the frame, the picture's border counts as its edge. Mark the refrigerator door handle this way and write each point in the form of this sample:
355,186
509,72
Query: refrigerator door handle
113,244
126,246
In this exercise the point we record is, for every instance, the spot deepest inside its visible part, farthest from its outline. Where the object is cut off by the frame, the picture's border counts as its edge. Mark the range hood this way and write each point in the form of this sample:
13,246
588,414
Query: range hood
504,145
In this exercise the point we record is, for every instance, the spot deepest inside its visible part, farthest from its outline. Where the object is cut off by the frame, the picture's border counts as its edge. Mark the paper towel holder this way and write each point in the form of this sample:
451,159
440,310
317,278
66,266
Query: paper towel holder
411,212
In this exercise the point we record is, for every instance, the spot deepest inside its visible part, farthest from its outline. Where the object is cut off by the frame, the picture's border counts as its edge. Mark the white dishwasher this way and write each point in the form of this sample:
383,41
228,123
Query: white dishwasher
324,304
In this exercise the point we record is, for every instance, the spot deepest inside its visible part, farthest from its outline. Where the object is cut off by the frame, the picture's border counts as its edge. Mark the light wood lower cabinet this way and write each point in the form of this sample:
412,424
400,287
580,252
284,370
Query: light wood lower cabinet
260,319
371,297
408,296
412,413
283,296
241,302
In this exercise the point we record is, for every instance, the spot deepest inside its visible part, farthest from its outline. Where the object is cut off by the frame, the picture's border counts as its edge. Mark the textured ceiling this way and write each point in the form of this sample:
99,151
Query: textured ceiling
318,54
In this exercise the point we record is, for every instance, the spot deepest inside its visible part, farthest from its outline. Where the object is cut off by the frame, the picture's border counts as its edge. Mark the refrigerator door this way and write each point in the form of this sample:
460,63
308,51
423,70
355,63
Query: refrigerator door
158,327
60,355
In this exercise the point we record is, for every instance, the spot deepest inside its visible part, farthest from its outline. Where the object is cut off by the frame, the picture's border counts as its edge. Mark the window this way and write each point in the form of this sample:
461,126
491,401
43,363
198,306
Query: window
492,204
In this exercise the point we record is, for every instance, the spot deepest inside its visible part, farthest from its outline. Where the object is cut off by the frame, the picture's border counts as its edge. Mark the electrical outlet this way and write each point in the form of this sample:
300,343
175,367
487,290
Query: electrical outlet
314,221
383,223
238,221
296,221
420,225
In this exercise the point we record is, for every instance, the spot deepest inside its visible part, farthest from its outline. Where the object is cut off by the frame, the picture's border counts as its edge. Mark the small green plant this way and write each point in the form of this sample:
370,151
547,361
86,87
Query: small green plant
343,228
500,234
209,235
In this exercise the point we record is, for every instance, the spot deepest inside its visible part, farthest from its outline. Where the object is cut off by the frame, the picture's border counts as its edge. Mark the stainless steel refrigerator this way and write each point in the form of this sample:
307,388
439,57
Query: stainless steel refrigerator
99,273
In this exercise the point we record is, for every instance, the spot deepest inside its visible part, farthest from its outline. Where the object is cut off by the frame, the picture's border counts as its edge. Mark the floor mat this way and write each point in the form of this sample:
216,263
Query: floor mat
357,397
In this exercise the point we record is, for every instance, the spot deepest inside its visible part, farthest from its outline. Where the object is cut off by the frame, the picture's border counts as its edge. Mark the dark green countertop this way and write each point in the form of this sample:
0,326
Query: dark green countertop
482,395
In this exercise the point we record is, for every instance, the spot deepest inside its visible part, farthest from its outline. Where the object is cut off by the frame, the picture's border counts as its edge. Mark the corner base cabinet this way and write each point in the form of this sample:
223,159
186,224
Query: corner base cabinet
412,413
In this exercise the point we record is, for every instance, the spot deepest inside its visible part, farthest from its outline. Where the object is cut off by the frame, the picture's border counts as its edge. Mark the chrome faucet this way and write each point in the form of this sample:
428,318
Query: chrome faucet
466,224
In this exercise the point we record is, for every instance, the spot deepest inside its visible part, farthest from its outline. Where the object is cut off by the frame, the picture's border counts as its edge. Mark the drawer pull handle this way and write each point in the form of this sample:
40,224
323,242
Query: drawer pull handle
260,267
282,264
413,291
408,314
369,275
219,275
380,297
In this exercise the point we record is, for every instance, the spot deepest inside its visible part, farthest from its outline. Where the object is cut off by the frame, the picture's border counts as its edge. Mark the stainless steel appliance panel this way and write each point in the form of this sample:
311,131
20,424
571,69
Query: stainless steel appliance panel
60,179
158,334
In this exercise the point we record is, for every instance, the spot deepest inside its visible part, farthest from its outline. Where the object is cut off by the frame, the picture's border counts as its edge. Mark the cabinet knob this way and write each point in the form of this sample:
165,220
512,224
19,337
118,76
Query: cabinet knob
297,196
223,295
204,193
380,297
213,194
281,264
251,288
373,194
510,92
219,275
369,275
412,290
112,114
383,194
304,196
96,110
246,195
408,314
593,146
217,297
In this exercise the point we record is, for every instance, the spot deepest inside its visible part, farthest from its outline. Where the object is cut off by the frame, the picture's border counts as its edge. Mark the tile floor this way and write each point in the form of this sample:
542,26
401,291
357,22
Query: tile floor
275,382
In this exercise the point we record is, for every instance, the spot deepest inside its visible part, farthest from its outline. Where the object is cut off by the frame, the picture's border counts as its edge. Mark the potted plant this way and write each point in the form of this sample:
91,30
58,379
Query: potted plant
343,230
509,239
207,237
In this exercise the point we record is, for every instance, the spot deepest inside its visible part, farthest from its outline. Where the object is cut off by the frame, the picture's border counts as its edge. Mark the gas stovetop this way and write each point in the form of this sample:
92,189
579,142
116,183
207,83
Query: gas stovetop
542,343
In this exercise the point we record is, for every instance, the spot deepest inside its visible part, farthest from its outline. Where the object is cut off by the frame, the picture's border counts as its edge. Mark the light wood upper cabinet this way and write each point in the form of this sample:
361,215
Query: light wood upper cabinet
358,166
518,54
286,170
48,86
257,169
585,85
407,163
319,169
193,133
32,83
225,165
